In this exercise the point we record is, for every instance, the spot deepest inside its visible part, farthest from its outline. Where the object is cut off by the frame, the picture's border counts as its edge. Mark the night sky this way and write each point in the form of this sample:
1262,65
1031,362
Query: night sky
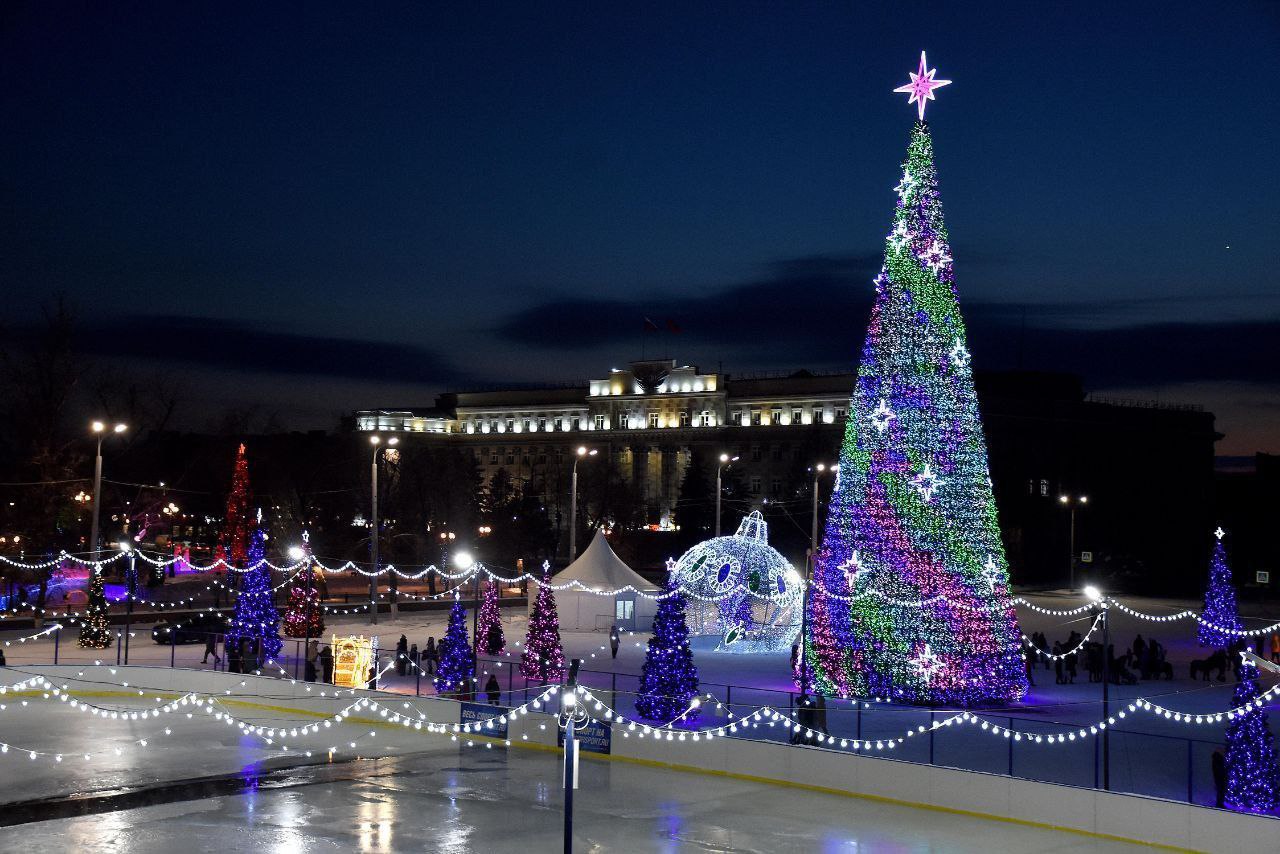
316,207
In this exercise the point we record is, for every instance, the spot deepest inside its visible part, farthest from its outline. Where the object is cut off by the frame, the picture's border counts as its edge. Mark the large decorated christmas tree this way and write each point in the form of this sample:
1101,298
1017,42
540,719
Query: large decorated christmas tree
916,603
1221,615
256,617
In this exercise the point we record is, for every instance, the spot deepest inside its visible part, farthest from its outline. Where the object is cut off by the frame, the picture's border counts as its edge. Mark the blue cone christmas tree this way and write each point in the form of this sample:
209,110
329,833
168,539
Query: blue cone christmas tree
669,678
457,669
1252,784
256,617
1221,615
543,659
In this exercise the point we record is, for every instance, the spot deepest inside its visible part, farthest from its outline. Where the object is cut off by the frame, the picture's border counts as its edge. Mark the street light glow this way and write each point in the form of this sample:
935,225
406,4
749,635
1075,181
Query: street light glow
125,546
296,553
373,440
394,440
1093,593
463,560
120,428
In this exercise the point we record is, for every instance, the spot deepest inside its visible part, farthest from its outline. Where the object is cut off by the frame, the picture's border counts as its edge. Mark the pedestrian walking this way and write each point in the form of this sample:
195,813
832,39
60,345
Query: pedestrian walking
211,648
615,639
402,655
1058,664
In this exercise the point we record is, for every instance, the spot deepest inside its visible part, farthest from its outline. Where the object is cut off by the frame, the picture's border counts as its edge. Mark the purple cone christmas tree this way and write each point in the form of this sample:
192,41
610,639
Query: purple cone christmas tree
1221,615
669,678
543,659
256,617
912,534
489,633
457,668
1252,784
303,616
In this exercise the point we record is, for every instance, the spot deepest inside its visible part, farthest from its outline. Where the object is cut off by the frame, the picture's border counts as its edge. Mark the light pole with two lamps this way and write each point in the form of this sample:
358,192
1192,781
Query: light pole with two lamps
725,459
1072,502
99,429
376,441
130,588
573,500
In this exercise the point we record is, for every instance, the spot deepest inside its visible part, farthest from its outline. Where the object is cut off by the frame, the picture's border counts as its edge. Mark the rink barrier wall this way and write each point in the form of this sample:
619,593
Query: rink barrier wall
1090,812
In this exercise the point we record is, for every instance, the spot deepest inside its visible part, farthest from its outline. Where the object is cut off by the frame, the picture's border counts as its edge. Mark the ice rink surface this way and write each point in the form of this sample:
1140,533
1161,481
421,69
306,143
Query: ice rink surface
451,800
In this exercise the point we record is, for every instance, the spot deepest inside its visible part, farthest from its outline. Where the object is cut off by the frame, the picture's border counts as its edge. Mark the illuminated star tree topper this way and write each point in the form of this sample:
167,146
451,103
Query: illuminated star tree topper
922,85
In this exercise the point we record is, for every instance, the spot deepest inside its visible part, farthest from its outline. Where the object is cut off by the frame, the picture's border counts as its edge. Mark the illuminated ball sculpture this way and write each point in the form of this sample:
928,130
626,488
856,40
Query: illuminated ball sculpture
741,590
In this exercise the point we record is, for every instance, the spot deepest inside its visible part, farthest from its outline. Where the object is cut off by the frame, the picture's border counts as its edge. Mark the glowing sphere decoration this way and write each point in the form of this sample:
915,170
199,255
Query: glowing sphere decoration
741,591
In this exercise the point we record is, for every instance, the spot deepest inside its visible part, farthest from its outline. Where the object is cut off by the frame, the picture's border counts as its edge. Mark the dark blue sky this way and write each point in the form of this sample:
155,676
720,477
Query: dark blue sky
502,191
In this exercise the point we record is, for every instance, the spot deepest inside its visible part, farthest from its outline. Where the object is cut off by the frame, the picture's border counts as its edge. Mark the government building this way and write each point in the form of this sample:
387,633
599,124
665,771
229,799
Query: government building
1147,469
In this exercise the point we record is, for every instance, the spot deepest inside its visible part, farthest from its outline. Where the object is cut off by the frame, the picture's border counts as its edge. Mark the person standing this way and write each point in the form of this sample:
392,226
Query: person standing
326,664
615,639
402,655
432,655
1219,765
493,690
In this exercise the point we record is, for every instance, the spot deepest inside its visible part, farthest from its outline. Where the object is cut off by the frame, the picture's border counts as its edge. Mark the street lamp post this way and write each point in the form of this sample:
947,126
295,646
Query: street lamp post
100,430
1072,502
130,588
464,561
808,575
725,459
573,501
376,441
1100,609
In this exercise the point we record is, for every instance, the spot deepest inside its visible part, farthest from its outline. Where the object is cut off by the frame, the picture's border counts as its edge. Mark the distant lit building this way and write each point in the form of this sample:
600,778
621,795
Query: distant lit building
1147,468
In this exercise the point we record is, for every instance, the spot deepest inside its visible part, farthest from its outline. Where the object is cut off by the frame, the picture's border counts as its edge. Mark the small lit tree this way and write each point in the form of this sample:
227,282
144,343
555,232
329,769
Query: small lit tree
669,678
457,664
303,616
489,635
1221,614
95,628
543,659
1252,784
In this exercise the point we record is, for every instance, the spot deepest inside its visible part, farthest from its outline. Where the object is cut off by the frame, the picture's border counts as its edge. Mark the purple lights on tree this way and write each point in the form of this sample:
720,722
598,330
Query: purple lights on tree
1221,615
927,617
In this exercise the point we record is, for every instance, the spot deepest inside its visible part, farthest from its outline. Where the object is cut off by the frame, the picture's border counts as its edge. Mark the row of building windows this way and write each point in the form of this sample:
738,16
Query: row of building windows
655,420
508,456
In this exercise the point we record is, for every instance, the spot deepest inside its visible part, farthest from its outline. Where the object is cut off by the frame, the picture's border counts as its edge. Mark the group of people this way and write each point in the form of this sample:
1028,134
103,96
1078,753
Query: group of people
1145,659
426,660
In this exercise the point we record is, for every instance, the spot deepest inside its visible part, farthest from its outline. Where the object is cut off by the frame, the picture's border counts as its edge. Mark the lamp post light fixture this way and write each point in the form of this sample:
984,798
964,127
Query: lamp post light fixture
582,451
1100,609
464,561
100,430
725,459
1072,502
374,535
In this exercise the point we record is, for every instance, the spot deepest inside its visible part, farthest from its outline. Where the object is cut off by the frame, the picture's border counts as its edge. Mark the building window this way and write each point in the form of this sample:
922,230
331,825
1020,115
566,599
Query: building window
524,460
756,454
684,418
624,610
755,418
796,414
775,487
706,418
493,458
577,423
542,459
775,416
777,452
599,422
511,458
839,413
755,484
511,424
1044,487
559,422
653,420
527,422
542,425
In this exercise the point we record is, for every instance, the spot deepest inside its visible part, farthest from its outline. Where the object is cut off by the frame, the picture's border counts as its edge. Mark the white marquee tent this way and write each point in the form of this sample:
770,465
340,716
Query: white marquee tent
599,569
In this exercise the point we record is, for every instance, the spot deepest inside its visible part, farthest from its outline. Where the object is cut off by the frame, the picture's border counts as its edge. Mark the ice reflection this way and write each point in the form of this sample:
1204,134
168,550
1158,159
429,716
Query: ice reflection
374,821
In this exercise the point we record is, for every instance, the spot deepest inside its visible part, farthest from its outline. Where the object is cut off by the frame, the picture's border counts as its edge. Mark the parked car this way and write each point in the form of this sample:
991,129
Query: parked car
189,629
